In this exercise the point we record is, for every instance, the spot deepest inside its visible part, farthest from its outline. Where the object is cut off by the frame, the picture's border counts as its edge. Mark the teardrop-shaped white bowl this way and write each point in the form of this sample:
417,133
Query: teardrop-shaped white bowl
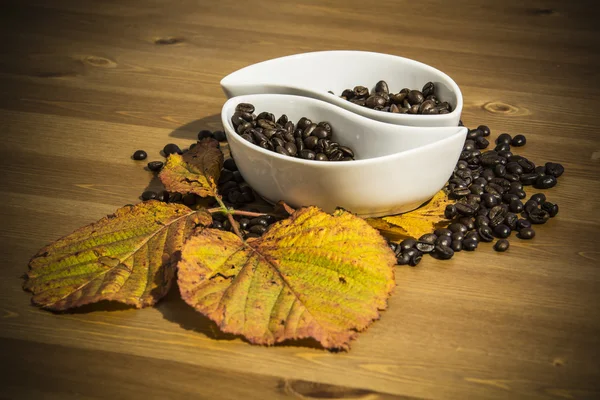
397,168
314,74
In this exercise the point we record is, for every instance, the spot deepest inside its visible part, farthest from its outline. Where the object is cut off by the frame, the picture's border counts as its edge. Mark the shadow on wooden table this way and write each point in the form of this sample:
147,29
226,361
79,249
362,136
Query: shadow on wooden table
190,130
174,309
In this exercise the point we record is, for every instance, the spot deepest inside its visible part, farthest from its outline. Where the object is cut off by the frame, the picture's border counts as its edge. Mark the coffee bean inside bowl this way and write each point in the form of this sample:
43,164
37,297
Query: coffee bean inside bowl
305,139
407,101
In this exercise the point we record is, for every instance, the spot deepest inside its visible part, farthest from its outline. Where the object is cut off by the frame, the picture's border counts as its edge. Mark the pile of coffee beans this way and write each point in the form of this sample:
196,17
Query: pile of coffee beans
406,101
249,226
306,139
489,189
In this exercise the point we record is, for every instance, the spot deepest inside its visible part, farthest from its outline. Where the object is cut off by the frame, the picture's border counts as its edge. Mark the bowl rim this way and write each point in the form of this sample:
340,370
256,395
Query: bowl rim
367,111
229,131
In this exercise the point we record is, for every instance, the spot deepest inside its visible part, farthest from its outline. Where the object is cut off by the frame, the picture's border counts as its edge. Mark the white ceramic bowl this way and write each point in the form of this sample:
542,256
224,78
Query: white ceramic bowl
397,168
314,74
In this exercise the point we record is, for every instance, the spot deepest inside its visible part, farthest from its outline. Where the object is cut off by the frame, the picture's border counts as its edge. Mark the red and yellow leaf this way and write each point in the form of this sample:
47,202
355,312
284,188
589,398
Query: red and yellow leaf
196,171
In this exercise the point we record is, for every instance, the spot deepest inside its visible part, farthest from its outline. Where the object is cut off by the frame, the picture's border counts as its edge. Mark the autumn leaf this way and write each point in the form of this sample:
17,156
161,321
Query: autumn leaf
127,257
196,171
414,224
312,275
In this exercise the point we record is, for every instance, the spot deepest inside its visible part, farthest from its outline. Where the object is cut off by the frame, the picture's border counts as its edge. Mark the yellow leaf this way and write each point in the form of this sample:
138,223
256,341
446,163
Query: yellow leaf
312,275
126,257
416,223
196,171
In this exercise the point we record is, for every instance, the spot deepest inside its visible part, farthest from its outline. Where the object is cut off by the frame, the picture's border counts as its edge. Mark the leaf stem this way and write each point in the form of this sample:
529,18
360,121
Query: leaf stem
247,213
235,226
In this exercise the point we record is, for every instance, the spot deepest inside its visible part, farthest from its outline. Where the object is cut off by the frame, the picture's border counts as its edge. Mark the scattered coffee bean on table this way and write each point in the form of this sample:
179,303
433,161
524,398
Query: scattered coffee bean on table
406,101
488,188
306,139
140,155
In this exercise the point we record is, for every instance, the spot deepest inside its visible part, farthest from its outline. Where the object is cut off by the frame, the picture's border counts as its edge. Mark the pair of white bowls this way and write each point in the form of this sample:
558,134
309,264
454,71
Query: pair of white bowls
401,160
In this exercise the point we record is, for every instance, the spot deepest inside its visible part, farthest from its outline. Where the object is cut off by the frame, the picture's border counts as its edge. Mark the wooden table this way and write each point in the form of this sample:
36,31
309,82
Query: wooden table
84,83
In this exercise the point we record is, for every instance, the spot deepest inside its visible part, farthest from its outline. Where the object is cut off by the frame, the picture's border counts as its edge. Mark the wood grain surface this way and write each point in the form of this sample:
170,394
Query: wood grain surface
85,83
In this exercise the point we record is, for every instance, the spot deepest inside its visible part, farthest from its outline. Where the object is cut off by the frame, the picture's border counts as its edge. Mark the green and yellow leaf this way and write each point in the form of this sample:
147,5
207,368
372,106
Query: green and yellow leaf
128,257
312,275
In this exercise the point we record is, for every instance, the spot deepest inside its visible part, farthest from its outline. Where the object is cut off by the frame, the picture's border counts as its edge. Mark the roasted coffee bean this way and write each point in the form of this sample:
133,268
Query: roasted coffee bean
155,165
473,134
485,131
457,227
258,221
458,236
527,165
220,136
481,142
511,220
469,223
415,259
258,229
501,245
481,220
403,259
245,108
545,182
426,243
216,224
550,208
485,233
502,231
428,89
282,150
361,91
480,181
247,137
204,133
321,157
171,148
460,191
538,216
466,209
503,138
496,215
226,176
375,101
500,170
554,169
539,198
139,155
509,197
308,154
407,244
456,245
516,206
530,205
529,178
415,97
443,251
443,241
502,147
489,200
148,195
230,164
518,141
514,168
483,210
523,223
450,211
470,244
526,233
291,148
540,170
476,190
442,232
